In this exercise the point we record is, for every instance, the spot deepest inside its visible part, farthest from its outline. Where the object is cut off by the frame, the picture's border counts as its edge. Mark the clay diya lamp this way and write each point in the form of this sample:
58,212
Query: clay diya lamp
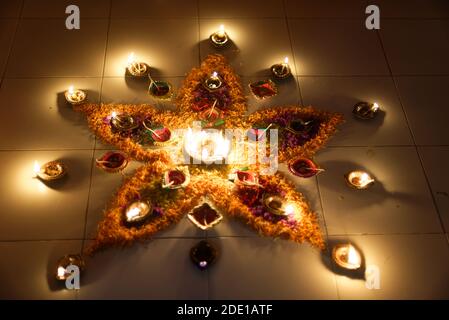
112,162
300,126
276,205
205,216
213,82
176,178
160,89
71,259
137,213
303,167
50,171
263,89
123,122
347,256
219,38
258,132
359,180
281,70
246,178
203,254
365,110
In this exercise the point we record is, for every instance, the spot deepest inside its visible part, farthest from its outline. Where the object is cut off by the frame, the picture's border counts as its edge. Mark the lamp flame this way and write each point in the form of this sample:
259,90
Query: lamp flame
71,90
37,168
221,31
375,107
132,214
131,59
286,60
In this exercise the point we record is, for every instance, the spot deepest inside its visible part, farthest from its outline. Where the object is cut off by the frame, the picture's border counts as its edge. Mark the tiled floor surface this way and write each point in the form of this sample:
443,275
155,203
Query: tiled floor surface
401,224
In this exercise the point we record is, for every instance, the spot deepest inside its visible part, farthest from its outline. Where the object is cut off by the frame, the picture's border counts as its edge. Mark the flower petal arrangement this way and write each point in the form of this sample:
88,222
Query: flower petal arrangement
268,203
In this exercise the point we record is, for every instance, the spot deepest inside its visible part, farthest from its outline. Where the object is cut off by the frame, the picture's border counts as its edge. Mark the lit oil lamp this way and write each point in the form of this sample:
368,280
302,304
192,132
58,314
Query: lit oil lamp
303,167
50,171
135,68
347,257
359,179
213,82
123,122
112,162
220,37
137,212
64,262
75,96
281,70
276,205
205,216
365,110
159,134
203,254
207,147
176,178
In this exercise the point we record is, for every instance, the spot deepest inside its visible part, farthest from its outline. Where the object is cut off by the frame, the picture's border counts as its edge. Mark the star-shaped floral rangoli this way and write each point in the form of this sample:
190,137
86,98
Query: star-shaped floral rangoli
209,183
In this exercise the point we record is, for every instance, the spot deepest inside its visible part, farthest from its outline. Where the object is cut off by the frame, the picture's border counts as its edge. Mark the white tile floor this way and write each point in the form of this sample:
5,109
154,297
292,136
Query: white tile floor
401,224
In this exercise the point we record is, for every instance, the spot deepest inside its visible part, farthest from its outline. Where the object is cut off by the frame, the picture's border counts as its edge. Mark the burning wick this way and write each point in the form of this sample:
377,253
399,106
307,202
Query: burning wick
37,169
221,31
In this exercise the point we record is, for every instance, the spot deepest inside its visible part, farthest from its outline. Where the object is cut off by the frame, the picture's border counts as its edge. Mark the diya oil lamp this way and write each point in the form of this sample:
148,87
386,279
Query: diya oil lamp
212,117
137,212
263,89
359,179
160,89
347,257
205,216
246,178
220,37
71,259
123,122
365,110
281,70
300,126
203,254
75,96
159,134
112,162
276,205
213,82
303,167
135,68
207,147
50,171
176,178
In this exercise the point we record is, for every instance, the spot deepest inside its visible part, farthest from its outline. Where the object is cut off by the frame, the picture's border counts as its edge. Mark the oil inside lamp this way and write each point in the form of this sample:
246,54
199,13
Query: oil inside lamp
281,70
206,146
365,110
123,122
176,178
346,256
137,212
220,37
112,162
67,260
359,179
75,96
277,206
135,68
52,170
213,82
303,167
205,216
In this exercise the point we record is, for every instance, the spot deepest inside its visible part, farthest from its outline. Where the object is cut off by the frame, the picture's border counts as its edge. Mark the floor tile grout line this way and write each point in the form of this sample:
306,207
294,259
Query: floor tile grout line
11,46
95,140
289,33
394,234
327,236
401,102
